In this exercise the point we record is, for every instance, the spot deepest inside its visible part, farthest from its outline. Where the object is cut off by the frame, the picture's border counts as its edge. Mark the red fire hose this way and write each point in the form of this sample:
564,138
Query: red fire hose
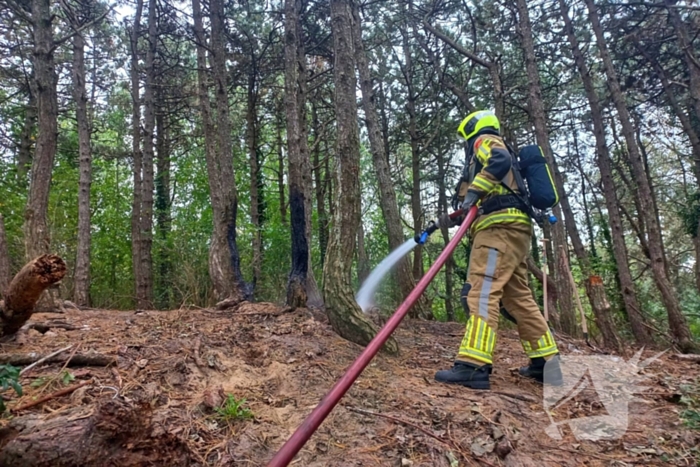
290,449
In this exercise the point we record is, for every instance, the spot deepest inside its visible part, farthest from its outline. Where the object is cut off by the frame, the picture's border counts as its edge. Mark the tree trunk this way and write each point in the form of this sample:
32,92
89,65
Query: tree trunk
677,322
82,262
537,113
36,230
227,215
26,140
220,268
124,433
297,148
362,259
255,176
629,296
136,147
691,59
163,206
280,175
5,266
416,207
387,195
345,316
442,209
26,288
320,189
144,283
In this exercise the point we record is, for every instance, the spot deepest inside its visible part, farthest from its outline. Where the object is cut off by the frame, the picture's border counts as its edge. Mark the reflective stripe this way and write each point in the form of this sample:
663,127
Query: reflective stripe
482,184
502,219
488,282
546,346
478,342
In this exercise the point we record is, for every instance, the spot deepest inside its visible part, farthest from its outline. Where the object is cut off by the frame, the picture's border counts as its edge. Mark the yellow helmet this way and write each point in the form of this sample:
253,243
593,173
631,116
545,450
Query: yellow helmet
477,121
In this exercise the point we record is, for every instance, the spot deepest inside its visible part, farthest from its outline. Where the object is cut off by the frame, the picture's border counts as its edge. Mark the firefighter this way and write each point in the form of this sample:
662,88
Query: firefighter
497,273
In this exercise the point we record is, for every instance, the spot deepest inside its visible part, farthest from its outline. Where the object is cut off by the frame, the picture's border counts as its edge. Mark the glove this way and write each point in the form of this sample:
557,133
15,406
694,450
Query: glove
445,221
470,200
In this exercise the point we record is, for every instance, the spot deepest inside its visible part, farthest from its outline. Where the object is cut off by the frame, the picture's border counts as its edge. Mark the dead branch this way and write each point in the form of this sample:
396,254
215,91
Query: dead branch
197,358
26,288
81,359
44,327
688,358
42,360
54,395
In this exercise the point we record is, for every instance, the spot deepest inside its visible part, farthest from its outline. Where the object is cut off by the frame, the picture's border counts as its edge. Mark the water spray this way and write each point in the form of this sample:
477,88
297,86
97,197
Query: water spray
294,444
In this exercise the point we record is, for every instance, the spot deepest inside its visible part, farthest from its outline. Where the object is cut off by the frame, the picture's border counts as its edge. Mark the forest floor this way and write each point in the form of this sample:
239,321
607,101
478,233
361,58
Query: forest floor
173,367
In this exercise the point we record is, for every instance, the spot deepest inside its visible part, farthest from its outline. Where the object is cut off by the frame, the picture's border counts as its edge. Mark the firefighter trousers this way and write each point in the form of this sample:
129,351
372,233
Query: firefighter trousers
498,273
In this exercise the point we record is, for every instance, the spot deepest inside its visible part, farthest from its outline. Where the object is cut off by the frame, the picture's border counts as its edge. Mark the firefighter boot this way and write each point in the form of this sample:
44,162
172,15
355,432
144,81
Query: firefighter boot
542,371
466,374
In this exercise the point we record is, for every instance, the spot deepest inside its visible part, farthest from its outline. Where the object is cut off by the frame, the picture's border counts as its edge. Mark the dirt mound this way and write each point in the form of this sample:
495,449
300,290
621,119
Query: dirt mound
164,402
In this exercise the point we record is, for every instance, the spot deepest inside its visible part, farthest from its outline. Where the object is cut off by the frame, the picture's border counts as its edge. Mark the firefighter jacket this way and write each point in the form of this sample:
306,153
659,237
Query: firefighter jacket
489,168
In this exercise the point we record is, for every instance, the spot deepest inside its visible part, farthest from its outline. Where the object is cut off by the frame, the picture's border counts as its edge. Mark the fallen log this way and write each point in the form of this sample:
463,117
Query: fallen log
688,358
114,433
79,359
26,288
59,393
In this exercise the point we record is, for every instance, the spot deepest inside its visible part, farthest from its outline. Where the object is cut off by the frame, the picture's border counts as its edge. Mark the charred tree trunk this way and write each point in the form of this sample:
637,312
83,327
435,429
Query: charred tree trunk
345,316
537,113
297,148
81,295
226,217
220,265
387,195
676,320
25,289
629,296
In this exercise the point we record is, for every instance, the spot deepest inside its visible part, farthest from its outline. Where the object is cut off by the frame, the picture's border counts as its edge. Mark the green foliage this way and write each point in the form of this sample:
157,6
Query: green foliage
232,410
9,378
690,214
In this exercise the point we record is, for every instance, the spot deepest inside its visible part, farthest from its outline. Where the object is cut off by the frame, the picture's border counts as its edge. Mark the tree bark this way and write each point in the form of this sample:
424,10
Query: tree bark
5,265
81,294
537,113
137,155
26,288
297,149
690,58
36,230
344,314
163,204
677,322
26,140
362,259
387,194
319,188
629,296
256,205
144,263
442,209
227,215
116,433
280,173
